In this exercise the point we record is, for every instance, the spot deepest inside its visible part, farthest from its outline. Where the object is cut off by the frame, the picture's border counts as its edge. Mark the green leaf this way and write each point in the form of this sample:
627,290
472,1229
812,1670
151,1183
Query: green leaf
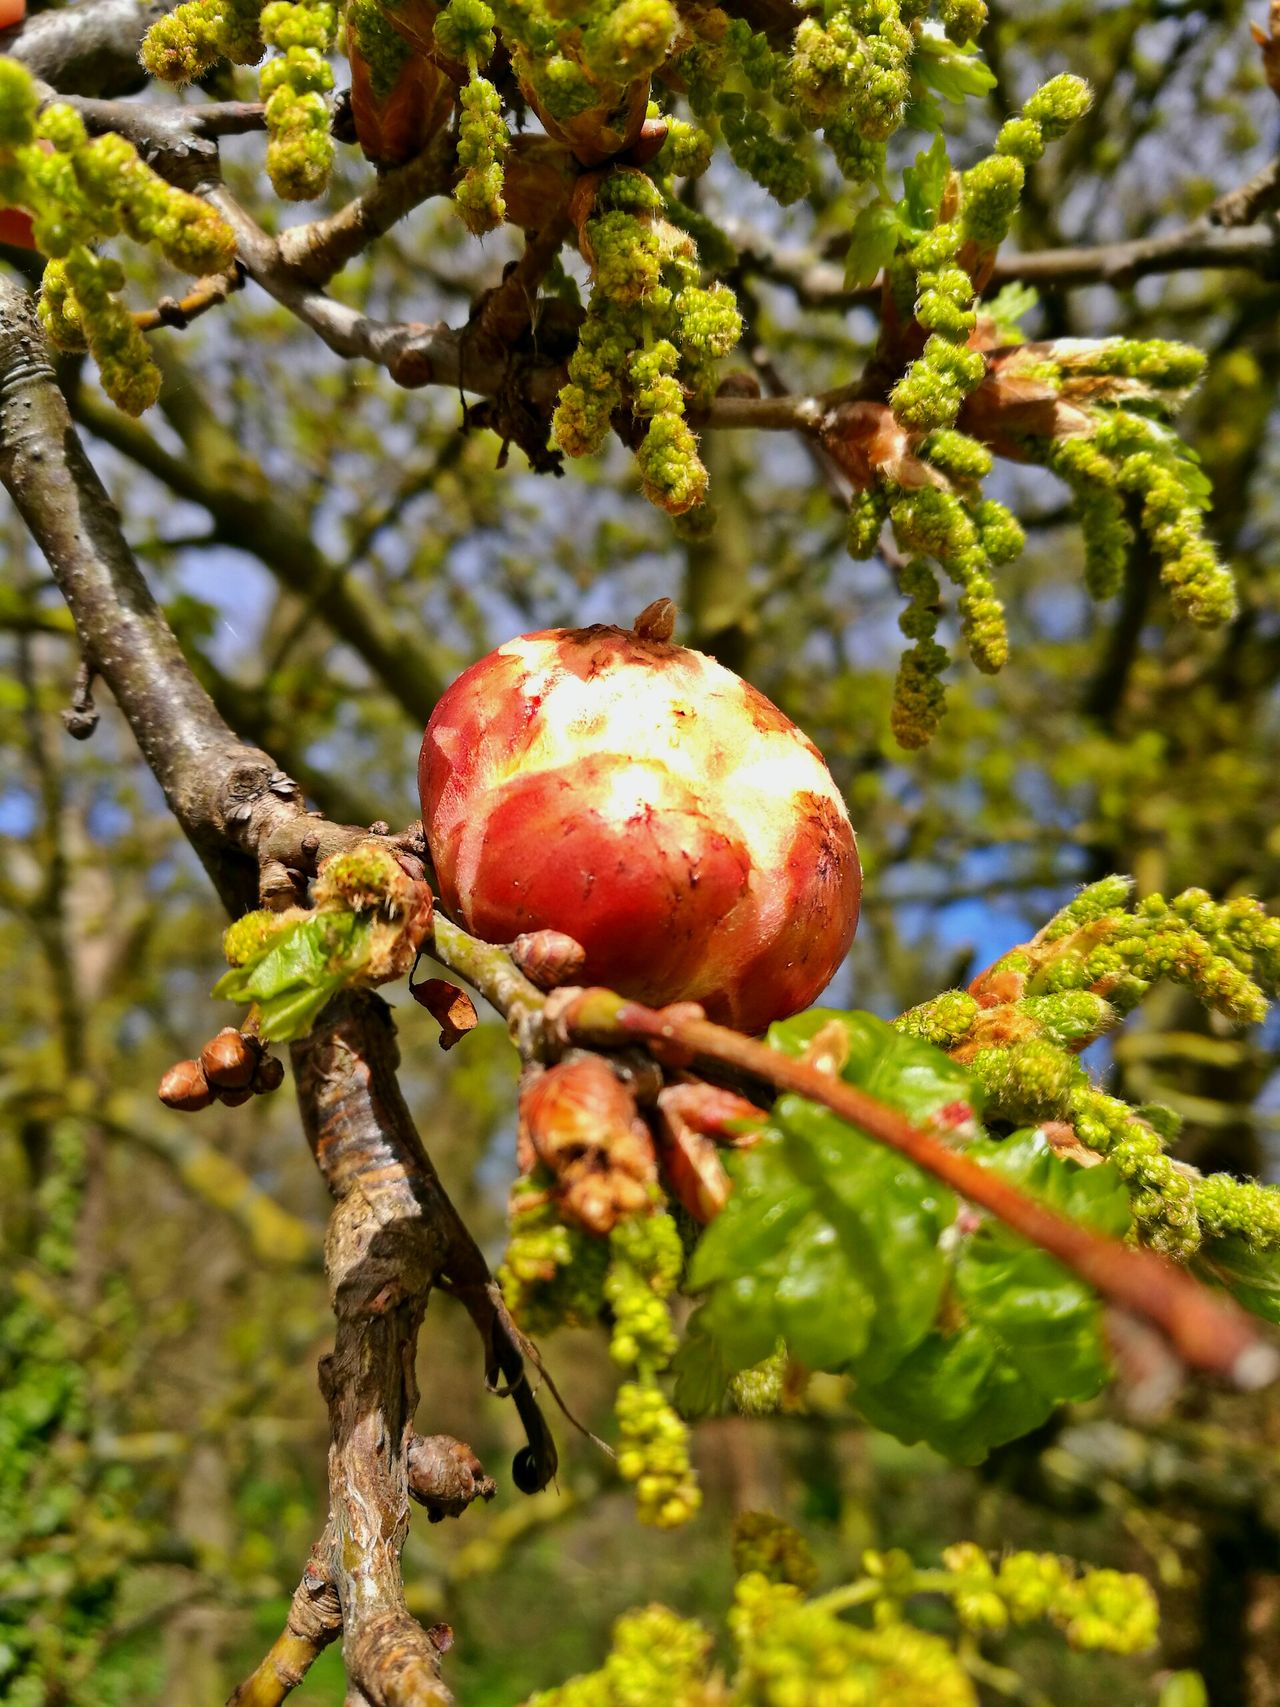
909,1074
1251,1277
299,970
701,1373
831,1240
1020,1334
872,245
923,185
955,1330
1009,306
951,71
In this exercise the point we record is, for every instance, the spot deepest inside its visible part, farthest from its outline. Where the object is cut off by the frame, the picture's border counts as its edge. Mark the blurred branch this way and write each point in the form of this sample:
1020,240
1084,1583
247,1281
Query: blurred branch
1239,230
88,49
276,1237
251,515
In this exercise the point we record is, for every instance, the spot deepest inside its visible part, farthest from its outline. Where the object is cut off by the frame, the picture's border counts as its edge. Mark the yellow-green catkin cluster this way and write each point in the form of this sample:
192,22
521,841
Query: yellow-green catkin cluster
848,74
646,1258
79,190
790,1648
1045,1002
198,34
652,333
552,1274
930,280
1115,1610
656,1656
580,58
295,85
465,31
1125,468
1128,474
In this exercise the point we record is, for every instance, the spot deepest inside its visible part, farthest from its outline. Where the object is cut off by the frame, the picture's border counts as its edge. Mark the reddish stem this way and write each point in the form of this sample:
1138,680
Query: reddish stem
1208,1333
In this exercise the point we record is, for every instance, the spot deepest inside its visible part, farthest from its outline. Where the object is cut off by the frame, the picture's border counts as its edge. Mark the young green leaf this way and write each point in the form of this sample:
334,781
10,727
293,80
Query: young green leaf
872,245
1018,1334
298,971
1252,1277
923,186
949,70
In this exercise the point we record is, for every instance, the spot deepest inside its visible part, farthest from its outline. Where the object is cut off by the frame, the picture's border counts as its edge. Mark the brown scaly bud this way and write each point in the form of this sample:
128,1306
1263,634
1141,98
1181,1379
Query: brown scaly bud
395,125
268,1075
868,442
234,1099
451,1008
548,958
185,1087
230,1059
717,1113
691,1166
657,621
581,1123
692,1120
445,1476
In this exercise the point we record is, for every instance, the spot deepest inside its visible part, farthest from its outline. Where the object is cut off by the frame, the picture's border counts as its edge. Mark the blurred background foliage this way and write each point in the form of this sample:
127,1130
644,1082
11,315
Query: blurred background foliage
331,550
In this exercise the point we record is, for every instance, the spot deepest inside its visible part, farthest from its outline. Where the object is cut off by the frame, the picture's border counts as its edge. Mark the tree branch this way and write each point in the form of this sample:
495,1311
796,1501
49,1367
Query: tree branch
1215,241
393,1232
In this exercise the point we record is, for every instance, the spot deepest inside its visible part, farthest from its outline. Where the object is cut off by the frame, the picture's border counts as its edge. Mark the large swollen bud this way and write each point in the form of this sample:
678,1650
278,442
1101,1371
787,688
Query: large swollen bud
652,805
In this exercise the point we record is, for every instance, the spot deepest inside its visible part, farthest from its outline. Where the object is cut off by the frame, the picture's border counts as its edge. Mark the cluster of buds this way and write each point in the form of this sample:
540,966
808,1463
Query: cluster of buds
231,1068
1022,1024
295,85
651,334
78,190
189,41
1083,408
372,912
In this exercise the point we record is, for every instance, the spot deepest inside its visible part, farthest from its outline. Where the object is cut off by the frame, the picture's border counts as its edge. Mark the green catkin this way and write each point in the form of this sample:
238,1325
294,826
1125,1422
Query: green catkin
78,191
919,697
652,334
294,85
465,32
1089,966
646,1257
552,1274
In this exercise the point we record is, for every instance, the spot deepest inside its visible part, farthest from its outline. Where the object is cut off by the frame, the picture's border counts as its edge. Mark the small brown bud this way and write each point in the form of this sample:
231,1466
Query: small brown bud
233,1099
185,1087
548,958
229,1059
657,621
268,1075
